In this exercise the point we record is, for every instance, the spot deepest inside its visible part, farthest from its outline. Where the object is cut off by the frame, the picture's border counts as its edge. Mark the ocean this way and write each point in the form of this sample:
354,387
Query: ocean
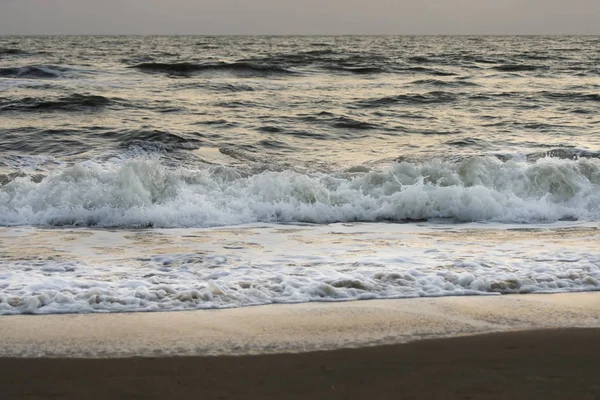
158,173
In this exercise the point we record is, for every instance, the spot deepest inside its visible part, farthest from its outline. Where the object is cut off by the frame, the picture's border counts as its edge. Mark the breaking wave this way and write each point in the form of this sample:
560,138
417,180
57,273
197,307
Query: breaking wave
145,193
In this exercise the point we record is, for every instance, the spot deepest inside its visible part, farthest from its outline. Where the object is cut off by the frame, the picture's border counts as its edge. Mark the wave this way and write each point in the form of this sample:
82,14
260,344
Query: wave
572,96
351,123
187,69
31,142
465,142
427,71
437,82
517,67
418,59
74,102
270,129
436,97
11,51
477,59
356,70
33,72
145,193
341,121
326,59
206,45
227,87
300,57
151,140
566,154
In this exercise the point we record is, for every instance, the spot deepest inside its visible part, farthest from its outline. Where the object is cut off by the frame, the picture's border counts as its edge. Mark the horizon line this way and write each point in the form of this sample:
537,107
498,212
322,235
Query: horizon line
299,34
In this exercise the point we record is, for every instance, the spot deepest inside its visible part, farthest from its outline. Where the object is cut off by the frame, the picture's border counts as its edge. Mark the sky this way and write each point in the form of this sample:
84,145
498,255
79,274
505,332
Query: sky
312,17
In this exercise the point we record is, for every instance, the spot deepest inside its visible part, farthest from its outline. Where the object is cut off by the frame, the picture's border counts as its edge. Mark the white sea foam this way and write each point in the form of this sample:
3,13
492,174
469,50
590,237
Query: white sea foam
143,192
82,270
192,267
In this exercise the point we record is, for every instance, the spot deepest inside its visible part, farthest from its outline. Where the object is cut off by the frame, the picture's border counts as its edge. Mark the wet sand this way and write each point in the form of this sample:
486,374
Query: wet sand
289,328
540,364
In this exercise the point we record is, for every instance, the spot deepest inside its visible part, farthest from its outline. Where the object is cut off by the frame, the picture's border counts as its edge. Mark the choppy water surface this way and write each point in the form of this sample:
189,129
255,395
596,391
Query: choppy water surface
197,132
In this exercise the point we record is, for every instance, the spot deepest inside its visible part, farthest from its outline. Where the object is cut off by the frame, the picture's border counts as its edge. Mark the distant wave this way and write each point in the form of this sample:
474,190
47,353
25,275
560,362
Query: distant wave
437,82
351,123
566,96
33,72
324,52
216,86
464,142
11,51
572,96
145,193
74,102
186,69
228,87
342,121
327,59
278,63
418,59
270,129
427,71
436,97
477,59
356,70
207,45
517,67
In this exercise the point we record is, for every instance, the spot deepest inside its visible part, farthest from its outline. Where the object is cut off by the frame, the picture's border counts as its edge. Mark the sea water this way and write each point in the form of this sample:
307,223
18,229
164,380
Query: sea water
171,173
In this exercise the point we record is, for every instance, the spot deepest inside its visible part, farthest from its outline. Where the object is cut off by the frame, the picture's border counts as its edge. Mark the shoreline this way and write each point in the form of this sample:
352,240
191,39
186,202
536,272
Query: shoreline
294,328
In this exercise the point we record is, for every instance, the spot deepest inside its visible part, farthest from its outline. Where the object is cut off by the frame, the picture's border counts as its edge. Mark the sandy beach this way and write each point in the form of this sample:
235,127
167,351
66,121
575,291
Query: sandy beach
531,346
